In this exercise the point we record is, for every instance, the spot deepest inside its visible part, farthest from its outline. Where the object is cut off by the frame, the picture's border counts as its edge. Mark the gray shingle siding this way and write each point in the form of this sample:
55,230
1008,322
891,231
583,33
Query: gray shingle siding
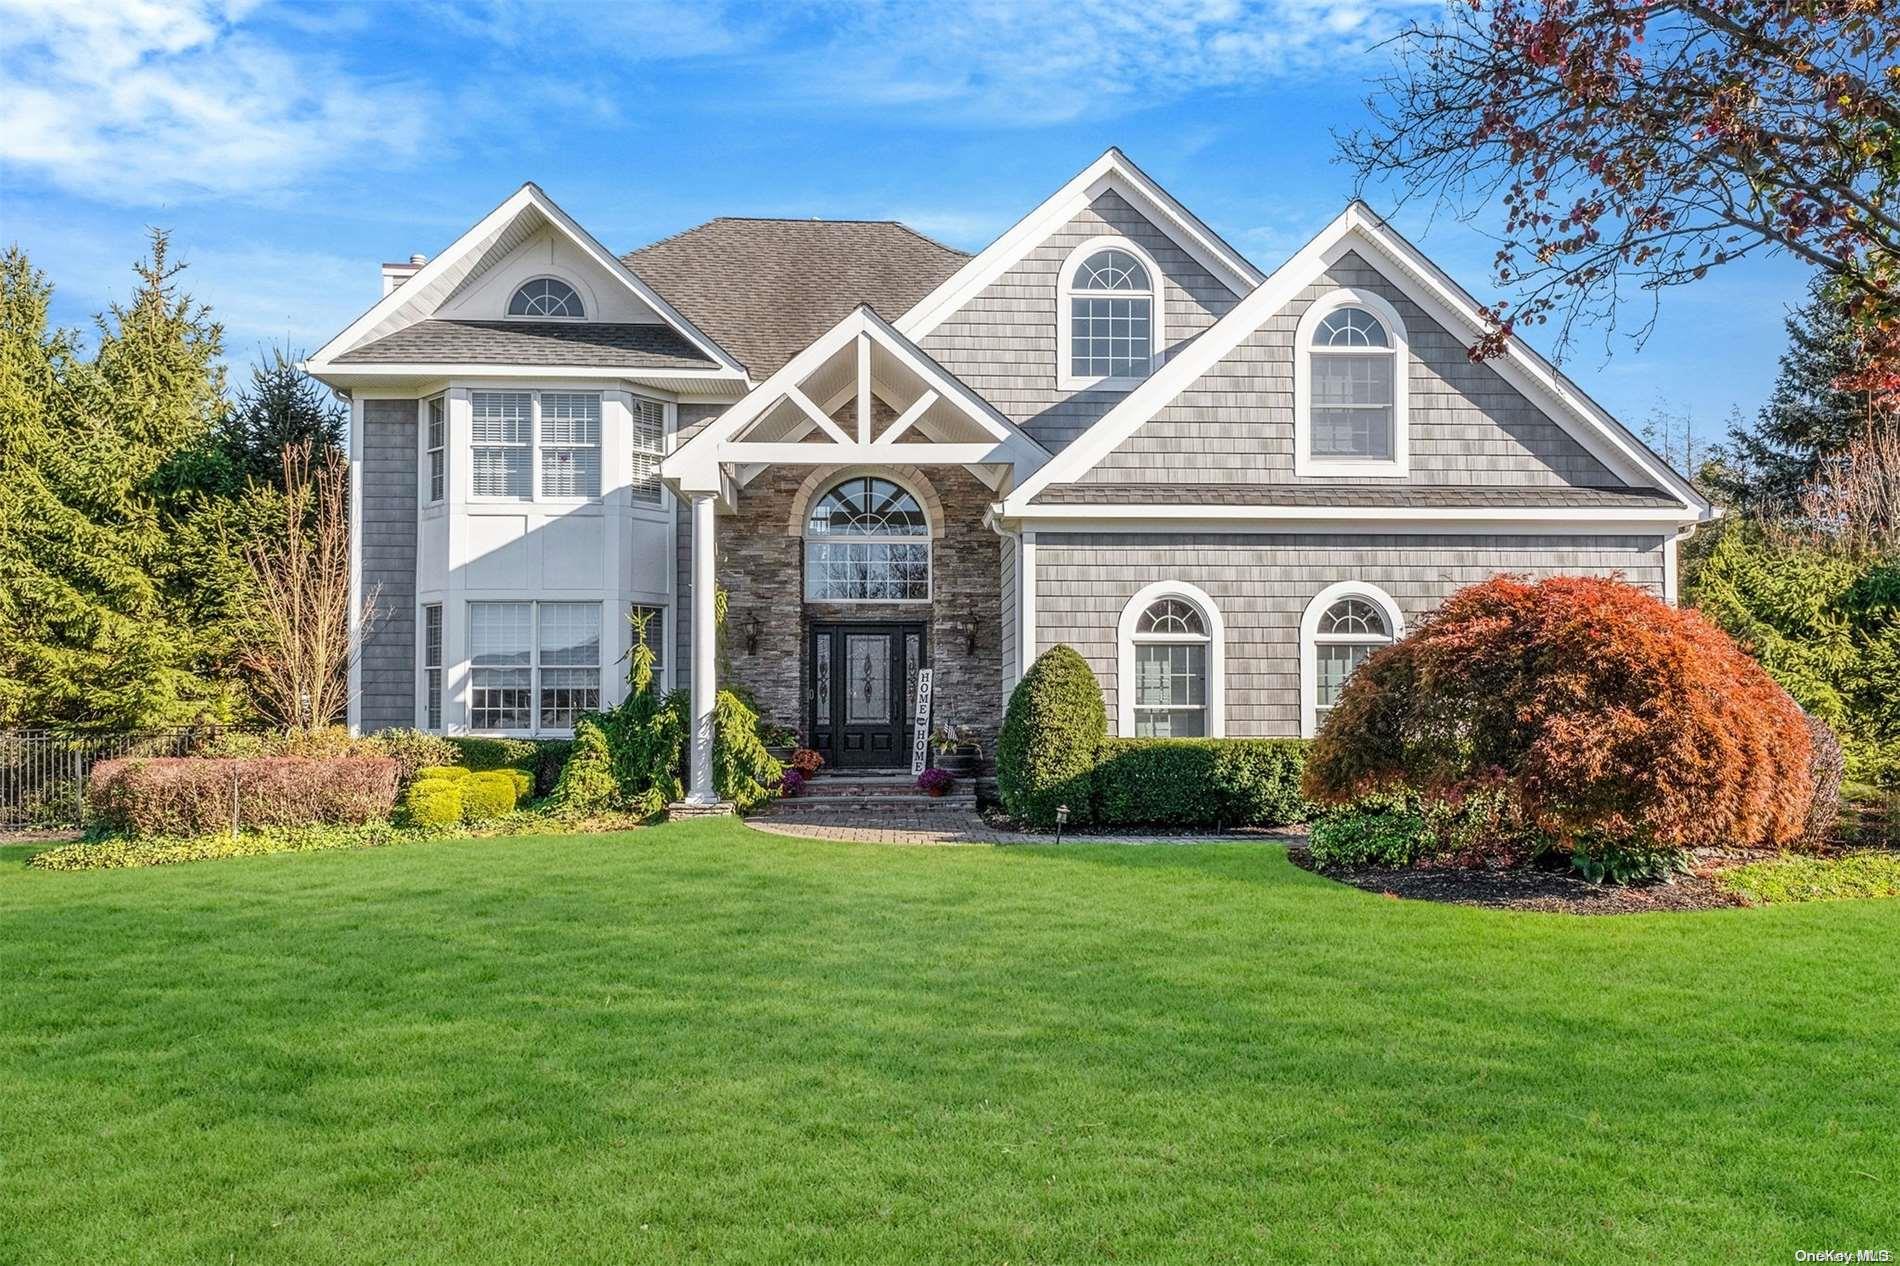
1468,426
389,564
1003,342
1262,583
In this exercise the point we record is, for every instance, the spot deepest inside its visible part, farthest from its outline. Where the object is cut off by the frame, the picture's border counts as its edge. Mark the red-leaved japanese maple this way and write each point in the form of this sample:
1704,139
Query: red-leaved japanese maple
1602,710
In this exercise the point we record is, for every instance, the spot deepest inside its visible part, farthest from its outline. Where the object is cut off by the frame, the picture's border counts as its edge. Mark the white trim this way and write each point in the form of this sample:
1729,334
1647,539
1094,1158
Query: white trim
1357,228
1305,465
353,706
529,196
1026,616
341,373
1066,294
1606,520
1216,644
1113,170
1309,631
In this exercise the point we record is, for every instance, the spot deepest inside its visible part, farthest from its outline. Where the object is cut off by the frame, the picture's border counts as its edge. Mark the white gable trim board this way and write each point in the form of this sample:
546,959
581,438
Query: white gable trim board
1358,229
418,297
1114,171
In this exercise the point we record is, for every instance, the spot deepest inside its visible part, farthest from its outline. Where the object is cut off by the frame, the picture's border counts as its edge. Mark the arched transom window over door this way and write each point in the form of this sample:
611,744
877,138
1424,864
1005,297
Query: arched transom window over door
867,540
1112,315
1341,630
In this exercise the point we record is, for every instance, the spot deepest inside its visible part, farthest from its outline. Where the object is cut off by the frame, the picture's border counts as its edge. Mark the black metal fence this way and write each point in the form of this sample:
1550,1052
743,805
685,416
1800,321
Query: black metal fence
43,772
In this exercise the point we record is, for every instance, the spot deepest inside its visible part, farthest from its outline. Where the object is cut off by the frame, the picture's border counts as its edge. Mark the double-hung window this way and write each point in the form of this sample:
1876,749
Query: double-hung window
649,440
534,666
509,428
1171,644
438,429
432,666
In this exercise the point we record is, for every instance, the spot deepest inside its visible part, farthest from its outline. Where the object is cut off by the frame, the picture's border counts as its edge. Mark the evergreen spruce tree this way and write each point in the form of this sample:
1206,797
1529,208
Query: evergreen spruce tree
282,408
101,462
1807,418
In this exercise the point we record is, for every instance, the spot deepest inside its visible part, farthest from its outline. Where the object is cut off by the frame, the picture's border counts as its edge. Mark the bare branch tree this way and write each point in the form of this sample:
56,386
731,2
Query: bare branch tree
299,656
1640,143
1855,496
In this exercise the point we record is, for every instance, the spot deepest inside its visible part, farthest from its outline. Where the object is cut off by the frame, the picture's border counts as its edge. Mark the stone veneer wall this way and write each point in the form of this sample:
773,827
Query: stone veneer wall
761,567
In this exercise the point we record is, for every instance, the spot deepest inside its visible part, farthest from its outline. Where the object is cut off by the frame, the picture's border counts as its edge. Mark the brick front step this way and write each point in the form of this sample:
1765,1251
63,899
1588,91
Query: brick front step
806,805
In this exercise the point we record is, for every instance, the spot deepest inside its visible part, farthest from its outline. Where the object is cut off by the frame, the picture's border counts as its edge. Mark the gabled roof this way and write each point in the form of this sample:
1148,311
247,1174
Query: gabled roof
576,343
967,430
1358,228
1113,170
765,288
522,214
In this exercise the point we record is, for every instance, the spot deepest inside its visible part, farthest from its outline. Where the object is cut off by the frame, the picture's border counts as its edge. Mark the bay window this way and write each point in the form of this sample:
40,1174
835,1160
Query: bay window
534,666
528,444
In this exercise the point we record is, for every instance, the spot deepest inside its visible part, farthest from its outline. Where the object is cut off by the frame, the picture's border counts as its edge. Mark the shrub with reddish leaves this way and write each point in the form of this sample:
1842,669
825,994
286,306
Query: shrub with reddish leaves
195,796
1603,711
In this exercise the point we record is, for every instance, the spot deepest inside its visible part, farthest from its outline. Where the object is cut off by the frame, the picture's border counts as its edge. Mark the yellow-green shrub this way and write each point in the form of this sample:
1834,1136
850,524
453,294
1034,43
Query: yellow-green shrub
488,795
442,771
433,802
524,783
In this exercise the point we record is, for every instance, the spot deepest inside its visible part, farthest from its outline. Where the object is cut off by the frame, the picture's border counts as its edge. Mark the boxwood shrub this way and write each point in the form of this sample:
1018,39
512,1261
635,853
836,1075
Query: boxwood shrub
489,794
433,802
1199,782
1052,732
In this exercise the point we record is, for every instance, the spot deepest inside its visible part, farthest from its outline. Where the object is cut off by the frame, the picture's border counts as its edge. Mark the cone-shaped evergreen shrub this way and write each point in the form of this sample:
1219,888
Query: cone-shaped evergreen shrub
1046,753
1604,712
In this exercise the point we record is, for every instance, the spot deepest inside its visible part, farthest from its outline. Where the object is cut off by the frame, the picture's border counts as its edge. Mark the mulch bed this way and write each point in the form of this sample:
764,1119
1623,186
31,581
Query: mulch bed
1528,888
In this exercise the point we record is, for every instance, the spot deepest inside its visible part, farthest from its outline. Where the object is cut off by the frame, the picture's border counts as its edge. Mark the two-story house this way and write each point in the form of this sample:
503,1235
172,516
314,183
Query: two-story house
1108,429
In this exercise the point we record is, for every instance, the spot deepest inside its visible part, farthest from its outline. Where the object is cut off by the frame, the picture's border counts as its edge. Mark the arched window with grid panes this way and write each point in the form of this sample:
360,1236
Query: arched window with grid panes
1171,664
547,298
1342,626
1111,314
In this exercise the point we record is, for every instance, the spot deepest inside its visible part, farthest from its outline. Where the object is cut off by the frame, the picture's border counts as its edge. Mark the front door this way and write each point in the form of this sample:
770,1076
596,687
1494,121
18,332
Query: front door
863,679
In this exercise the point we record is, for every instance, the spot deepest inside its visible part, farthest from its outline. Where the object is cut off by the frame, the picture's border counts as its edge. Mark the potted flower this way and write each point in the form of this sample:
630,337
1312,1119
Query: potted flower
780,741
955,754
806,761
935,781
790,783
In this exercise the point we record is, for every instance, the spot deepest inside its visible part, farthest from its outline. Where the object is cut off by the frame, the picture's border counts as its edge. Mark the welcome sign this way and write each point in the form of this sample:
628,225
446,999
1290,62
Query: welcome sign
920,737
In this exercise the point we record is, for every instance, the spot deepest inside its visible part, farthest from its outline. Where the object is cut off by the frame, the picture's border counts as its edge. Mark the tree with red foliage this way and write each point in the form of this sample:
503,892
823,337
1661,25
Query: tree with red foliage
1646,141
1602,711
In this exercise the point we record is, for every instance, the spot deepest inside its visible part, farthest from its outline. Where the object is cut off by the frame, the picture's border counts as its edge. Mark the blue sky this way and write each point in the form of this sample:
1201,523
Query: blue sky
291,147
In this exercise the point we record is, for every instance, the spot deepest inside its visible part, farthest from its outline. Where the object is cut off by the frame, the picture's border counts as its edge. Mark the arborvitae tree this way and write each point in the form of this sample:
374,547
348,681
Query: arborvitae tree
282,408
1807,418
99,461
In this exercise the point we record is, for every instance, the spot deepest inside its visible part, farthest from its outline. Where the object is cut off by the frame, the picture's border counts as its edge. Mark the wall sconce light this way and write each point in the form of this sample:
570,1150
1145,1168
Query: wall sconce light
967,625
752,631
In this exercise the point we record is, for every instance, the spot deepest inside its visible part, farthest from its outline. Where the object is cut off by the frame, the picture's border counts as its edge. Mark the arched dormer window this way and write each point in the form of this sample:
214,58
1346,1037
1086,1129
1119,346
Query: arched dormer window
867,540
1171,665
1340,629
547,298
1349,387
1111,317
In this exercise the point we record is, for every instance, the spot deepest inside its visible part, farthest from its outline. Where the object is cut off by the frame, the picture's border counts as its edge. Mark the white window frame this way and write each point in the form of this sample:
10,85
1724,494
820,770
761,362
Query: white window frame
635,450
1305,465
806,538
1216,642
425,687
534,665
535,446
1310,639
580,297
1066,294
435,455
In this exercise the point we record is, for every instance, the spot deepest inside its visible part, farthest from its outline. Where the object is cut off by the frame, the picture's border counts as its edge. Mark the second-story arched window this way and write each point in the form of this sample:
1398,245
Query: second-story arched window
547,297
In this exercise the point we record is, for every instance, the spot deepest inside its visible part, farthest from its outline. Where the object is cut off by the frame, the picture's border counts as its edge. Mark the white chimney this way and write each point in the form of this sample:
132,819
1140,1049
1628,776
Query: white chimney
395,274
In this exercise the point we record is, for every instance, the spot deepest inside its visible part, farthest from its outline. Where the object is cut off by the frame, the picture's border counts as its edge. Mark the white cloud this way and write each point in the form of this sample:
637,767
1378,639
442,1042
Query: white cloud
142,101
1031,62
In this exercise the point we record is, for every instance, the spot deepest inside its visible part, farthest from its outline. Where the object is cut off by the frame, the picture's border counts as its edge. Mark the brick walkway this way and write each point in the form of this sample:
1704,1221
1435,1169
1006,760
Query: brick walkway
964,828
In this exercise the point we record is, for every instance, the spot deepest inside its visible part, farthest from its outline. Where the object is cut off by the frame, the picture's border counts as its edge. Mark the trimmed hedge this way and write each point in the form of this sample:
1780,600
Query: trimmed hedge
433,802
482,754
1199,782
489,794
1052,732
189,795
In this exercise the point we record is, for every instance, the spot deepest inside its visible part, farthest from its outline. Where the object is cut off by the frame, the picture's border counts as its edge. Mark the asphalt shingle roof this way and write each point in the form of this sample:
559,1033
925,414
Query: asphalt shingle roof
578,343
1456,497
764,289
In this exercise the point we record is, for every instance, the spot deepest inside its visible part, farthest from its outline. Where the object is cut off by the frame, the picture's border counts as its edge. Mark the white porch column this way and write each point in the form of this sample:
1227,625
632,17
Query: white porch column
705,689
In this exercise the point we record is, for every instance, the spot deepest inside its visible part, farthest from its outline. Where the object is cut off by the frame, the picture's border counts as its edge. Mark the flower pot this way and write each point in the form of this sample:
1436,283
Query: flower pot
936,793
783,755
962,764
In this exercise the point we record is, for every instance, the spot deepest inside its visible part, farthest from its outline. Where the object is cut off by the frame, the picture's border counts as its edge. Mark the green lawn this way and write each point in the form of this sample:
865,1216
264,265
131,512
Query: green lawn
698,1042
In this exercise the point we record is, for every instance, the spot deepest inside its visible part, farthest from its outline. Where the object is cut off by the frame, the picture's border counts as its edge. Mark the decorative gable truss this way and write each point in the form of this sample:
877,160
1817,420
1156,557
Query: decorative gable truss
903,409
1359,229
